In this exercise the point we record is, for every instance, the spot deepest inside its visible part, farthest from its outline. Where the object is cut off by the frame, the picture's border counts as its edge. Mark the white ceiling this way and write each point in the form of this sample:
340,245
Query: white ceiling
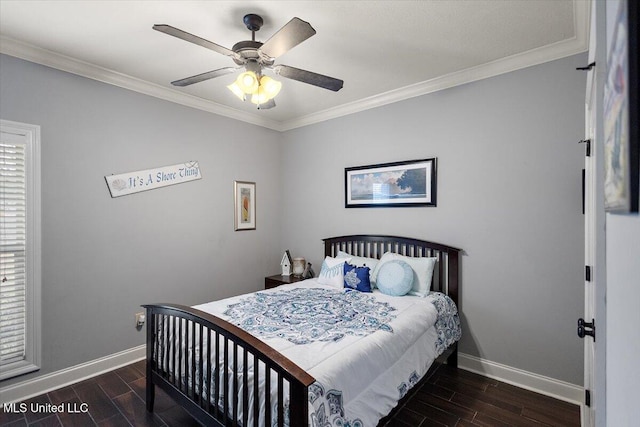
384,51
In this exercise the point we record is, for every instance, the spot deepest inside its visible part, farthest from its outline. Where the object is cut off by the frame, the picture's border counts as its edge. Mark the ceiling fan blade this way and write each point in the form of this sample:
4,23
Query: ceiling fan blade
175,32
304,76
205,76
292,34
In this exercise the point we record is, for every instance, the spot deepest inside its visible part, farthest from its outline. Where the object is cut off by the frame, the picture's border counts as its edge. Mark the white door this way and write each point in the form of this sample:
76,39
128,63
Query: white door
594,327
587,324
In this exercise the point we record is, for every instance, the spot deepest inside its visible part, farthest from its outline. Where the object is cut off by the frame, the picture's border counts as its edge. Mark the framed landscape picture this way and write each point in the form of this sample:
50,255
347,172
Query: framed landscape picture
408,183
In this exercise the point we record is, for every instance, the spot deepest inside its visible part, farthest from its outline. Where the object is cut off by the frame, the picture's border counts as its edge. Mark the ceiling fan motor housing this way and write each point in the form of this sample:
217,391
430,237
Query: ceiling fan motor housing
248,50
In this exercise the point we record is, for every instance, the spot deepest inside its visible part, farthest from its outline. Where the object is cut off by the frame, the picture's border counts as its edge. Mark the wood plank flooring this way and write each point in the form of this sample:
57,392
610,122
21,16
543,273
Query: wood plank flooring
454,397
451,397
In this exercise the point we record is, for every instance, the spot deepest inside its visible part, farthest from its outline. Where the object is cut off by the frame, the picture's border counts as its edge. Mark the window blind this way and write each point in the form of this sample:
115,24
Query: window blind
13,245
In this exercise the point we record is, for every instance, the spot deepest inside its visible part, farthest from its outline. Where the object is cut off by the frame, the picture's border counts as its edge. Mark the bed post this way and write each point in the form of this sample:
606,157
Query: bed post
299,409
150,387
452,291
452,280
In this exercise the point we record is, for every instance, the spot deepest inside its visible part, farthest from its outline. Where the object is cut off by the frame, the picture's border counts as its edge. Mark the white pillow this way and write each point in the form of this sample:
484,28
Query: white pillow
332,272
422,269
359,261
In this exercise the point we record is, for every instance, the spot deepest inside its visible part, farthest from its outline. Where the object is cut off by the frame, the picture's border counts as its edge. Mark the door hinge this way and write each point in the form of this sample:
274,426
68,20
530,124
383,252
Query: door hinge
587,398
588,144
587,273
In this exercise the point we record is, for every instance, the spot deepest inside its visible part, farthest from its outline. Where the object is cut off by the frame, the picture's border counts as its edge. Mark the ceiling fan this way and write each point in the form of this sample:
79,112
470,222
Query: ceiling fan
255,57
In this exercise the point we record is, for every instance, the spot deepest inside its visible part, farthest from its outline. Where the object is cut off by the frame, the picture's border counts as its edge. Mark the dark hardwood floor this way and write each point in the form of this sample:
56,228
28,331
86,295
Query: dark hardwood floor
454,397
451,397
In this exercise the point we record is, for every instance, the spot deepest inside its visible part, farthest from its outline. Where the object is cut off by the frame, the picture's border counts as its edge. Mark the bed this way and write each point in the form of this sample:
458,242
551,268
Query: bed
251,360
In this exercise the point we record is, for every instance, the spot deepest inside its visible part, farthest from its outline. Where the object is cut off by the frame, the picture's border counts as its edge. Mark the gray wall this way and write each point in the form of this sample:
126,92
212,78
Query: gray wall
623,318
103,257
509,194
623,295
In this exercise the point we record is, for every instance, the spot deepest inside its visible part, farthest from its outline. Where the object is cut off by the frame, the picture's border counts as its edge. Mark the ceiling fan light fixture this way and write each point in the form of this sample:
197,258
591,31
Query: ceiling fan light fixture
248,82
262,89
260,96
235,89
270,86
267,90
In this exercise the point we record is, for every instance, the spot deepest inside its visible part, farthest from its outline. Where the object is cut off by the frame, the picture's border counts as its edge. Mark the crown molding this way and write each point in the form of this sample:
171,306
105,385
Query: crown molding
51,59
578,44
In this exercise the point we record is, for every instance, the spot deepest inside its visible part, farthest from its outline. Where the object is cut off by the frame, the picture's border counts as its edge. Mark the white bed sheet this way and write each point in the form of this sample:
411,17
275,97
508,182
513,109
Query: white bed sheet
359,379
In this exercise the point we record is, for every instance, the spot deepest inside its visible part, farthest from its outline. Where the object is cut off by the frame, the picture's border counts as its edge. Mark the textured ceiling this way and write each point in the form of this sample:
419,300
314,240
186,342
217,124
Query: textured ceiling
383,50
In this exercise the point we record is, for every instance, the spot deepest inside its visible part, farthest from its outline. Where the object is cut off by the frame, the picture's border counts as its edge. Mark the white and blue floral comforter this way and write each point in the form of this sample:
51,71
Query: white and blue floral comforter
354,344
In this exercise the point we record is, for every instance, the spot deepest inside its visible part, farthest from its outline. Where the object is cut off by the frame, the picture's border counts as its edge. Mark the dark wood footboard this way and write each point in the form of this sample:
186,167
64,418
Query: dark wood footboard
205,364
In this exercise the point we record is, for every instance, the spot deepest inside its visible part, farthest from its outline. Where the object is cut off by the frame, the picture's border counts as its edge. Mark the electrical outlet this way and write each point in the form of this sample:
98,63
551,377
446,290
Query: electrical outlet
140,318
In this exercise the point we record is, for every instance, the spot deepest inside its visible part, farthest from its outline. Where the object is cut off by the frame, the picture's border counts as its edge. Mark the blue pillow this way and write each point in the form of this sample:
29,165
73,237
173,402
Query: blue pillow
357,278
395,278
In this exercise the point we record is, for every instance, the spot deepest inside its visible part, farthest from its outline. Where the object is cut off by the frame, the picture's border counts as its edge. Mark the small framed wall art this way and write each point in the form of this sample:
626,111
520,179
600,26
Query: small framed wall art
245,205
408,183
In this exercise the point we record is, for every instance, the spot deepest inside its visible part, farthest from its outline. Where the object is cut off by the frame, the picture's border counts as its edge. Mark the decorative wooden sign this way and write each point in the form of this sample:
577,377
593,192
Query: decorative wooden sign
150,179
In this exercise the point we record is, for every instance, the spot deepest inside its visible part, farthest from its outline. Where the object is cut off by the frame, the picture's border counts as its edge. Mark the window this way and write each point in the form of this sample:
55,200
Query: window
19,248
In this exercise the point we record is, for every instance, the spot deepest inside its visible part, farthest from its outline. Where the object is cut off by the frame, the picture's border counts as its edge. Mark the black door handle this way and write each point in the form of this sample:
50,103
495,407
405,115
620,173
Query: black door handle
585,328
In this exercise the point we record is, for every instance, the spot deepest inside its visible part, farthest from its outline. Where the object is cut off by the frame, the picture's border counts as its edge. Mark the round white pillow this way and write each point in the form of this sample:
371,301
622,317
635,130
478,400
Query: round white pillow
395,278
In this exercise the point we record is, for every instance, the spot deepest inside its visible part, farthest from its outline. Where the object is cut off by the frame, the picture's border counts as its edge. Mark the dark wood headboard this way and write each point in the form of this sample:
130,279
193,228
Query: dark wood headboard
445,276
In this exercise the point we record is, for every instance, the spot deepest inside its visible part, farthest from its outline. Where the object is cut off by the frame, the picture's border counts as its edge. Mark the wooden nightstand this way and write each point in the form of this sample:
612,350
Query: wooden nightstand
277,280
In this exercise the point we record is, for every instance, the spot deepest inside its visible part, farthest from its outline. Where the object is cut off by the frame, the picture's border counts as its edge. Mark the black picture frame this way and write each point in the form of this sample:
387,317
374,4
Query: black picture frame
621,118
410,183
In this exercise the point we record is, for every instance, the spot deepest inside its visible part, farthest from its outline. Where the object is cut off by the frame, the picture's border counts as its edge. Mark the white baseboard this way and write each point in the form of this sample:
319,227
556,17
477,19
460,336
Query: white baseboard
528,380
48,382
